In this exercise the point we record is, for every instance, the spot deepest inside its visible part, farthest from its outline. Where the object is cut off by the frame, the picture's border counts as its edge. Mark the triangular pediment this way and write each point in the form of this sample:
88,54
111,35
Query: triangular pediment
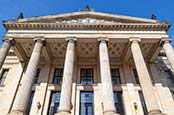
86,17
86,21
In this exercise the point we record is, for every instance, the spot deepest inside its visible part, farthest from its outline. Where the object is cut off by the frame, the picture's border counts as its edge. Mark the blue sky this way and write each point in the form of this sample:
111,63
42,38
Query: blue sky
163,9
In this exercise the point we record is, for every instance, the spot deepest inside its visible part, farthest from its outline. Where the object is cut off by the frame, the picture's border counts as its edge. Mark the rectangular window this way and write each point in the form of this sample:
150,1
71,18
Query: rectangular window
37,75
30,102
86,103
58,75
86,76
118,102
115,76
54,103
3,76
136,76
143,104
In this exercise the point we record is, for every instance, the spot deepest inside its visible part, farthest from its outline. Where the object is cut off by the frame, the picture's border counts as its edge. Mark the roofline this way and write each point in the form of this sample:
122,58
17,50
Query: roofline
72,14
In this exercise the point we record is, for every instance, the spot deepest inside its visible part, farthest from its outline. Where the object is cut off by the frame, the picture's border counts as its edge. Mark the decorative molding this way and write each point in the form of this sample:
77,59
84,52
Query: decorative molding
88,26
87,20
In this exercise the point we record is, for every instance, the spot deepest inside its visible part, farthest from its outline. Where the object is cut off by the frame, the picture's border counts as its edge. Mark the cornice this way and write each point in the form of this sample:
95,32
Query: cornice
87,26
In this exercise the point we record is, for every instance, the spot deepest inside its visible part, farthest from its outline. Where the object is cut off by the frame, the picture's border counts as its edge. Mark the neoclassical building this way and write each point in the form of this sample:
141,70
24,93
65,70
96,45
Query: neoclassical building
86,63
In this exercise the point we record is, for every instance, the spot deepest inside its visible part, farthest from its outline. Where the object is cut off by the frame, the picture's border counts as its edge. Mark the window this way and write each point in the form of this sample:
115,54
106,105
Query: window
136,76
3,76
86,76
37,75
30,103
54,103
118,102
58,75
115,76
170,77
86,103
143,103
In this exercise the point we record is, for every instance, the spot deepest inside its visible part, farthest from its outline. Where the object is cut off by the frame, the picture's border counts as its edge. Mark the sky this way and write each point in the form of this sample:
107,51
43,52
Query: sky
163,9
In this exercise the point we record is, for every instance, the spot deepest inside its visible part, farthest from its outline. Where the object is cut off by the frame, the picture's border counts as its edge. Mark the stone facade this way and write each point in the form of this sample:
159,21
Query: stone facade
87,40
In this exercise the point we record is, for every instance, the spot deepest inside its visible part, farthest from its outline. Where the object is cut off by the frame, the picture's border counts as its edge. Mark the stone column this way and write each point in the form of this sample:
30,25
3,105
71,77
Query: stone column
145,81
5,49
107,89
27,82
168,50
66,89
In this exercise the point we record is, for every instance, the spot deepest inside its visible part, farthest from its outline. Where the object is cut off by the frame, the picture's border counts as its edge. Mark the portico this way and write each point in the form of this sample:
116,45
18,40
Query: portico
91,39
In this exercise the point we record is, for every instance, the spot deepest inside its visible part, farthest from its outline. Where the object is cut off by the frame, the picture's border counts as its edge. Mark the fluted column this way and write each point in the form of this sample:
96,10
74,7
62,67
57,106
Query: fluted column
66,89
27,82
168,50
5,49
144,77
107,89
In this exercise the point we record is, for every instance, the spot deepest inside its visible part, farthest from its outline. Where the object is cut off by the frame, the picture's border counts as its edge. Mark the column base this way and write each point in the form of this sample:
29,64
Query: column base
63,113
156,112
110,113
17,113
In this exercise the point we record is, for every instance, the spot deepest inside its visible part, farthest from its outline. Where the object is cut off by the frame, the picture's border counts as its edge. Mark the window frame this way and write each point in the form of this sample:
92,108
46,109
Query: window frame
60,77
118,77
136,77
50,102
85,103
2,78
30,102
86,77
120,108
36,80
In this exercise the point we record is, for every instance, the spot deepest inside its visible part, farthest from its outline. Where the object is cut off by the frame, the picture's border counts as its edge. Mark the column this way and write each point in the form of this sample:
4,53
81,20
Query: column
107,90
145,81
27,82
168,50
5,49
66,89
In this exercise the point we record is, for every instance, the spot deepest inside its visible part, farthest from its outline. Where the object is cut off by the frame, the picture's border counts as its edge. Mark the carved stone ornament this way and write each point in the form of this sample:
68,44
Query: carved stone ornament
87,21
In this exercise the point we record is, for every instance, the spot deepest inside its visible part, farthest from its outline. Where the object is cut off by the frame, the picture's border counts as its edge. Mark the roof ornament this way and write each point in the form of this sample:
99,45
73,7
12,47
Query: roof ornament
153,17
88,9
21,16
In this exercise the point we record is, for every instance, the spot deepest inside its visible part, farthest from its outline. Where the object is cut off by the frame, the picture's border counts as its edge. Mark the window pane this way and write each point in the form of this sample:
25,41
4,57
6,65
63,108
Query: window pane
3,77
86,103
37,75
58,75
143,103
86,76
54,104
115,76
30,102
136,76
118,102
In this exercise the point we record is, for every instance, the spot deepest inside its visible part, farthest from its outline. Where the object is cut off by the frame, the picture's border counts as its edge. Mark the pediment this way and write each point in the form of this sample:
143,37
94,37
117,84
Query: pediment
86,20
89,17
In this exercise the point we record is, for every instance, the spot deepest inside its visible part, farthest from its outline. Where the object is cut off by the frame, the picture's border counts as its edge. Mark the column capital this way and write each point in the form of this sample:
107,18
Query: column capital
134,40
164,40
39,39
9,40
70,39
103,39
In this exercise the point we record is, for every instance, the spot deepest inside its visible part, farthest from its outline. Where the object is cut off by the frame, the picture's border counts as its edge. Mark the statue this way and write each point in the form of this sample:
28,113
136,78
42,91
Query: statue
88,9
21,16
153,17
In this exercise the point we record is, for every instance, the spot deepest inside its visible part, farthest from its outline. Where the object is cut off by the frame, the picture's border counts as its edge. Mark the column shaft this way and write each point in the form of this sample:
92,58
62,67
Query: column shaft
145,81
27,82
169,52
107,89
66,90
4,50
